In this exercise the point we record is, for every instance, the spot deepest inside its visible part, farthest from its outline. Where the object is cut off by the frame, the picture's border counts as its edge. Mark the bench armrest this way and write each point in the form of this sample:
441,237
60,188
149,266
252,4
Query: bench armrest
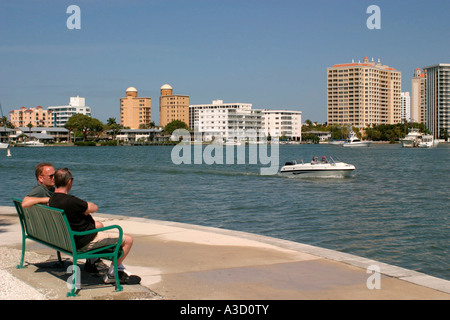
83,233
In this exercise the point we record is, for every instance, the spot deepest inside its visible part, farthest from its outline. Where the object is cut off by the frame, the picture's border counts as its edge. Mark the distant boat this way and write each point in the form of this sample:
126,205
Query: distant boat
33,143
3,145
427,141
415,138
354,141
412,139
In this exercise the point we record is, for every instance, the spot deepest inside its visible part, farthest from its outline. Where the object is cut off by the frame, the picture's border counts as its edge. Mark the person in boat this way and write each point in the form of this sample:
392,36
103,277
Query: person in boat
324,160
79,214
314,160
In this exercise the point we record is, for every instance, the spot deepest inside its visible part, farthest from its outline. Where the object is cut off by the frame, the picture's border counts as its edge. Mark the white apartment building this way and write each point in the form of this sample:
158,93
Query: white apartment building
279,123
406,106
61,114
229,122
216,104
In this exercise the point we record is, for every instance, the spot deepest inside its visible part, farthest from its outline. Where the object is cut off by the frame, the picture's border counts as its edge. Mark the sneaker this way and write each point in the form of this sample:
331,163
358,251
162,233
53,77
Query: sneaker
111,279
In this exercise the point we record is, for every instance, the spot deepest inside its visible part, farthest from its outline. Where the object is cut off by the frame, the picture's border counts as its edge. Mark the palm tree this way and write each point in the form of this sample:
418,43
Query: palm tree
30,125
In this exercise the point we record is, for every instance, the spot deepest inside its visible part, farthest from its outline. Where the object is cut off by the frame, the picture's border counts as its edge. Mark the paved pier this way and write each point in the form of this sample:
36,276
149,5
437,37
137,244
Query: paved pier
186,262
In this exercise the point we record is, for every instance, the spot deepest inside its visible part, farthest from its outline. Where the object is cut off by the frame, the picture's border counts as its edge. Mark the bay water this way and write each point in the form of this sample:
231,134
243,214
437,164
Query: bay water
394,208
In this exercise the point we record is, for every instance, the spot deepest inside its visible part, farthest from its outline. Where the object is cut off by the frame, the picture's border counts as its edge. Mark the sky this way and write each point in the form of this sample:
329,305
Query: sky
272,54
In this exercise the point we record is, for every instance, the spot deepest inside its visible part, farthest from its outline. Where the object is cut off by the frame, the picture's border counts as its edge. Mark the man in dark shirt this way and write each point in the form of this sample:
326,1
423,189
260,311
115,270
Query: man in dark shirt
78,214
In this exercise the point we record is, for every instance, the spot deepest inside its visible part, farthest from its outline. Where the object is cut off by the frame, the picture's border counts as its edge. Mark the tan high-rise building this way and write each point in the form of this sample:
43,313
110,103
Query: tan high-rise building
135,111
37,117
172,107
361,94
418,96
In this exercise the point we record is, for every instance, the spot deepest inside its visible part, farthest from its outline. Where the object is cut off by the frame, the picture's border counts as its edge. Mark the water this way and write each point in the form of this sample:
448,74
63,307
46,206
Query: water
394,209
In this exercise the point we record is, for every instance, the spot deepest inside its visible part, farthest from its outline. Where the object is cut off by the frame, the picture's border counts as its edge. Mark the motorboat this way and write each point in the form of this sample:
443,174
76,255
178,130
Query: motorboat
323,169
354,141
33,143
412,139
427,141
3,145
415,138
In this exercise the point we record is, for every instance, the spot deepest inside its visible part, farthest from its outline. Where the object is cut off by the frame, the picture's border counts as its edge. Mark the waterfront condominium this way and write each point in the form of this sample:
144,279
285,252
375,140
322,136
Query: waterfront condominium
135,111
418,96
361,94
62,114
194,111
34,116
438,98
406,106
172,107
230,122
283,123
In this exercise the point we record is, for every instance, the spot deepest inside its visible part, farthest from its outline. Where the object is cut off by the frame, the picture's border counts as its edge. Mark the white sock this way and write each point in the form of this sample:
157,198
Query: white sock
111,268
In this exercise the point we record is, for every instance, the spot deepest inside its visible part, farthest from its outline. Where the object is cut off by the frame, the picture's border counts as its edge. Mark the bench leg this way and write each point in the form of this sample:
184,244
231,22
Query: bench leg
75,276
20,265
116,275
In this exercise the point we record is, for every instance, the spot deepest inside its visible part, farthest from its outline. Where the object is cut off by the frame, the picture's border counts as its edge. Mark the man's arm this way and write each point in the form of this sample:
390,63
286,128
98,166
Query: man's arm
92,207
28,202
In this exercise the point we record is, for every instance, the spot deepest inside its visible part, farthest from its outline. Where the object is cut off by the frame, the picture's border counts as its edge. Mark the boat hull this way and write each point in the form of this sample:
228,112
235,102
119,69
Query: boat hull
407,143
357,144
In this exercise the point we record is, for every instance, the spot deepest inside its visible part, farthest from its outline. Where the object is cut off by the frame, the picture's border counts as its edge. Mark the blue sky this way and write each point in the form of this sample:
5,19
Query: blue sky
273,54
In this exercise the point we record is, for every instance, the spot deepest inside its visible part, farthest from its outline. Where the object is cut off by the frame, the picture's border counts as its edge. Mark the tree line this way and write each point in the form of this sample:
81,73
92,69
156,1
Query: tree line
382,132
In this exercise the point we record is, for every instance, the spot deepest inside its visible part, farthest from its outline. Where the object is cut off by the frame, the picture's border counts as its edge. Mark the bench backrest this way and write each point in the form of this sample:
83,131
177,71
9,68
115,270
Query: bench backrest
46,224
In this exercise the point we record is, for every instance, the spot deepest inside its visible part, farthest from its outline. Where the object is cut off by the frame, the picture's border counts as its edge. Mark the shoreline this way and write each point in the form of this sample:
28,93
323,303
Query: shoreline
181,261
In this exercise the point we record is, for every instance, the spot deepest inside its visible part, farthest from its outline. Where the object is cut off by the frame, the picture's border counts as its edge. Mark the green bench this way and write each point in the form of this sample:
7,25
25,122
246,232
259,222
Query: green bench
50,227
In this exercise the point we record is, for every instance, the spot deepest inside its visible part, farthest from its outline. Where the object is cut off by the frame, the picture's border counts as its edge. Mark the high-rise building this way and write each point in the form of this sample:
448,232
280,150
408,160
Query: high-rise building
406,106
361,94
418,96
62,114
283,123
438,98
37,117
135,111
172,107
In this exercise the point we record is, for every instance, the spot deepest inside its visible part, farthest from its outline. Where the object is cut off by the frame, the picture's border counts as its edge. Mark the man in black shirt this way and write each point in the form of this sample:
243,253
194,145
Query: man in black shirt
78,213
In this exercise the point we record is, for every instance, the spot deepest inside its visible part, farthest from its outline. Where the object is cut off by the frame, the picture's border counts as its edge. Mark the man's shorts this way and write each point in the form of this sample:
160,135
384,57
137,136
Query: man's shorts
102,239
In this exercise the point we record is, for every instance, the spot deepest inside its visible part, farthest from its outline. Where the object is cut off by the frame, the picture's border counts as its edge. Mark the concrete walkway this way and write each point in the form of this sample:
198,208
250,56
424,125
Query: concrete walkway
185,262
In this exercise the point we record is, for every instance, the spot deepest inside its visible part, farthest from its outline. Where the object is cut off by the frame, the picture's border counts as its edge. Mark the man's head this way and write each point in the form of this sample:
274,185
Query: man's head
44,174
63,177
